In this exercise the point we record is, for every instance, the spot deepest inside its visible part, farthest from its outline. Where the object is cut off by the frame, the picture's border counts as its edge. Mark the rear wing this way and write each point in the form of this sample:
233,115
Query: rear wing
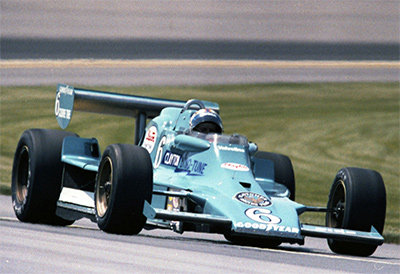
141,108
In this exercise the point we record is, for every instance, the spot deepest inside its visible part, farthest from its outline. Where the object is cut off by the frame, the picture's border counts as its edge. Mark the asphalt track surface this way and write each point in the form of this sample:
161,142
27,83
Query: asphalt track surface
139,43
82,247
213,31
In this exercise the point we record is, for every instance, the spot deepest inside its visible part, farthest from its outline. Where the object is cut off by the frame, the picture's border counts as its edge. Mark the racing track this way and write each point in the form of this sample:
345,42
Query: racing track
215,31
83,248
313,31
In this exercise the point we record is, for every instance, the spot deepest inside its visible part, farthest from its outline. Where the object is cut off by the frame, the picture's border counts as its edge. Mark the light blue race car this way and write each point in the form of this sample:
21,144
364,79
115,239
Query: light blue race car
182,173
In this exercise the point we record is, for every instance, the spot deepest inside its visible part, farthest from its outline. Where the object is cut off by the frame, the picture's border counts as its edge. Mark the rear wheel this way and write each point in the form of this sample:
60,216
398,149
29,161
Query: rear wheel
37,175
283,168
357,201
124,182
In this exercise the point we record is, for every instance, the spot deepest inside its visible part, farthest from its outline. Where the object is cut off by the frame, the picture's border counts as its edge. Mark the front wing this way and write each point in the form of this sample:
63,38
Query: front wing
77,203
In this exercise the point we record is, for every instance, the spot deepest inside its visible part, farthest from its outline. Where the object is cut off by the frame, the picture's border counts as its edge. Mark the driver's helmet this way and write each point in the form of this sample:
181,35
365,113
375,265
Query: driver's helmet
206,121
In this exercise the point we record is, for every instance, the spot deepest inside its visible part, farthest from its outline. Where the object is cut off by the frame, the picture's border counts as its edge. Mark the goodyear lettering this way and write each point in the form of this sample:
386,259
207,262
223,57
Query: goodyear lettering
268,228
66,90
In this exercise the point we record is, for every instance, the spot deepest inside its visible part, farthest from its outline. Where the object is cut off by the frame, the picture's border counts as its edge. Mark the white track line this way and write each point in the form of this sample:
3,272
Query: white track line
160,63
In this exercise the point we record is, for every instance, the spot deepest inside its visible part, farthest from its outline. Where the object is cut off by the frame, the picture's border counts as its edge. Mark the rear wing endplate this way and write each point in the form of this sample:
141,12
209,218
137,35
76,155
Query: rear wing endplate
141,108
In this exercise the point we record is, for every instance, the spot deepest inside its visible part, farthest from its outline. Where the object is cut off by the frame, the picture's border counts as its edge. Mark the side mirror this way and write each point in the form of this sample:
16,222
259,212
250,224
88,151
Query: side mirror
253,148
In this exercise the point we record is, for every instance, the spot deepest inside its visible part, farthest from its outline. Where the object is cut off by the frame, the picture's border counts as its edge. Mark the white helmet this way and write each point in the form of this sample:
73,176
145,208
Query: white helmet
206,121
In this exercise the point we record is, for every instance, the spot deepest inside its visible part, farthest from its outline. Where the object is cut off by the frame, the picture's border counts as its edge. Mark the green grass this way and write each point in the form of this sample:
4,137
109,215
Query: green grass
321,127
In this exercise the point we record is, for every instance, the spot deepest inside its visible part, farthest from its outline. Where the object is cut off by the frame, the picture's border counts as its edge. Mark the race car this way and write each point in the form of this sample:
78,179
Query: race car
184,174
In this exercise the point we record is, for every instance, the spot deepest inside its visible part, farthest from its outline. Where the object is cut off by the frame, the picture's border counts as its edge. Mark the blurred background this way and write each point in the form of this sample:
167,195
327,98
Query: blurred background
206,30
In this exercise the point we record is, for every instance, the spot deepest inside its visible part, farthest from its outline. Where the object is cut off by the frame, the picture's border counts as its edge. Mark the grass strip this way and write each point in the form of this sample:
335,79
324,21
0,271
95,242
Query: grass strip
322,127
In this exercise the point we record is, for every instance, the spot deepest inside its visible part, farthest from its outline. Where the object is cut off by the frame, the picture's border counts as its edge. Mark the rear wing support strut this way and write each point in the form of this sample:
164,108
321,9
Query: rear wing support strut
140,126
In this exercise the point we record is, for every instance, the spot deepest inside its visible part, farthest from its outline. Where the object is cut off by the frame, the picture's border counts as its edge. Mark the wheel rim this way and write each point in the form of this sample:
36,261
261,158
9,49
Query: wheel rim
337,204
23,175
104,187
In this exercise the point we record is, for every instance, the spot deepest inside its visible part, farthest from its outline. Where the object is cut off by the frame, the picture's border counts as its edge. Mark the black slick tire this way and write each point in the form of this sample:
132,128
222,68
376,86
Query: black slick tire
124,182
358,198
283,168
37,176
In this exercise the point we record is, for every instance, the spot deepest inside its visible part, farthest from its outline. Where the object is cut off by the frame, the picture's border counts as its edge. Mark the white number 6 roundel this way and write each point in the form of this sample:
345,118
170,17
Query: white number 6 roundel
262,215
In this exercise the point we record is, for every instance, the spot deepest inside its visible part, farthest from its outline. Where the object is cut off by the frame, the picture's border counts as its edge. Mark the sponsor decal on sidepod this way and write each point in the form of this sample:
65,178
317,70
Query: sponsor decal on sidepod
253,199
235,167
171,159
150,139
233,149
191,166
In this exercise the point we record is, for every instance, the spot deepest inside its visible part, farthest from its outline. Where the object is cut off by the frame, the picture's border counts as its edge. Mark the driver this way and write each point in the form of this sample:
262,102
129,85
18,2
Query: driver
206,121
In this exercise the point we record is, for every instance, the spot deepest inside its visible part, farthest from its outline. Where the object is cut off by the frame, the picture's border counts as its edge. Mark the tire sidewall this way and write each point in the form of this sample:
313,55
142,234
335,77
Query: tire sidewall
365,199
45,181
365,206
22,209
132,184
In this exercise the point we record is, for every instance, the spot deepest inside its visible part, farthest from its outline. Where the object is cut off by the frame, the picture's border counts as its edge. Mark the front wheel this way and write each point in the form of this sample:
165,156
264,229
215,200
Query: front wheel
37,175
357,201
123,183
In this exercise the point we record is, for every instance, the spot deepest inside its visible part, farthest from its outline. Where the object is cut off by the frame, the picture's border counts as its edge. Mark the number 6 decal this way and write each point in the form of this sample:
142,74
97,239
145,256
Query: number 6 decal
57,105
157,159
262,215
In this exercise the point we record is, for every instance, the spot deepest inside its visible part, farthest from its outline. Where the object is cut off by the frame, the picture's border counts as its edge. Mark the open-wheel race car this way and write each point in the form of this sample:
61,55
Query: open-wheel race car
182,173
